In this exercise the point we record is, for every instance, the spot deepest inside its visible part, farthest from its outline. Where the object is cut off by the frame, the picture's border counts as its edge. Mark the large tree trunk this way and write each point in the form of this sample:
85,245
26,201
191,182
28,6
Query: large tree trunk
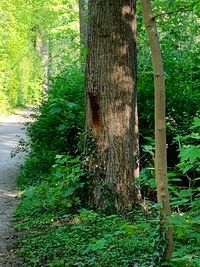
111,96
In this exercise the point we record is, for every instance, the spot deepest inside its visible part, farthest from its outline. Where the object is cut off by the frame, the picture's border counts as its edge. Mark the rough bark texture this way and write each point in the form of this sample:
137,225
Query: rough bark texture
160,124
111,95
83,18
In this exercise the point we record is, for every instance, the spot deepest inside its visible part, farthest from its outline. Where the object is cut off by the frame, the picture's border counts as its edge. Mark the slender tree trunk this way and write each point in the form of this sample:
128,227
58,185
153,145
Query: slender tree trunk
83,18
42,48
136,142
83,22
111,96
49,65
160,124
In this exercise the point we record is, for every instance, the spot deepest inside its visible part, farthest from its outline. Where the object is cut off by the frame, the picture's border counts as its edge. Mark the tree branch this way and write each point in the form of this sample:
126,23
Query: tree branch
186,9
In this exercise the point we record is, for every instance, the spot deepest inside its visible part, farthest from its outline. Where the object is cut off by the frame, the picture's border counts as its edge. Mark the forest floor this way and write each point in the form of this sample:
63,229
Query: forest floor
11,131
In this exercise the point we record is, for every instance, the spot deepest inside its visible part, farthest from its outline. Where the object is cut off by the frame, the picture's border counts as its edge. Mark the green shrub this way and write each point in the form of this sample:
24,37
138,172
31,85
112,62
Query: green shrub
56,192
57,126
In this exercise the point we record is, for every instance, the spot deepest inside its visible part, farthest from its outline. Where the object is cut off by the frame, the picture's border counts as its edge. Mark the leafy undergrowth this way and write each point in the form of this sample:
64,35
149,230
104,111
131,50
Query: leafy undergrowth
54,230
87,239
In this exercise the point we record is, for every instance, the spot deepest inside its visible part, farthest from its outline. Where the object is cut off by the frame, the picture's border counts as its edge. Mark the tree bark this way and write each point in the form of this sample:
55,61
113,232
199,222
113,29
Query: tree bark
43,48
111,97
160,124
49,65
83,18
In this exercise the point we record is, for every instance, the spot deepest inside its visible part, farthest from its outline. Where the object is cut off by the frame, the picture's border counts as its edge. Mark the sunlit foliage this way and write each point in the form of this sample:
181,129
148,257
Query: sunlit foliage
29,32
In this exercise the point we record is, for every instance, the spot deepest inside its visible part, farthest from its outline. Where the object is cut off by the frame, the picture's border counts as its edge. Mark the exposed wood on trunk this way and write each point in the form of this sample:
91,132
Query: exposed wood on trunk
111,94
160,124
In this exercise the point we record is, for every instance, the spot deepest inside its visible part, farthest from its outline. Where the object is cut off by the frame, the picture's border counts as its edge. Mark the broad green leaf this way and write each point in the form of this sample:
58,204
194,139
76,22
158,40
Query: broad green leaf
190,153
195,123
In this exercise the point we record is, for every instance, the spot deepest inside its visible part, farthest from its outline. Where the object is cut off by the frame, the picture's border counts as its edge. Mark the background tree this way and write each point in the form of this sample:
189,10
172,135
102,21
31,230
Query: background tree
20,67
111,94
34,48
83,18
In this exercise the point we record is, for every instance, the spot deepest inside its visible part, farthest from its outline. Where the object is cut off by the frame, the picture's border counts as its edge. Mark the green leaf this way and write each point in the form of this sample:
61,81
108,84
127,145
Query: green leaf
196,123
69,191
177,220
129,229
96,246
71,104
54,109
190,153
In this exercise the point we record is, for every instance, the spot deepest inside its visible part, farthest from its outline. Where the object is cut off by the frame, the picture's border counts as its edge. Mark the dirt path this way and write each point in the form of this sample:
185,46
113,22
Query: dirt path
11,130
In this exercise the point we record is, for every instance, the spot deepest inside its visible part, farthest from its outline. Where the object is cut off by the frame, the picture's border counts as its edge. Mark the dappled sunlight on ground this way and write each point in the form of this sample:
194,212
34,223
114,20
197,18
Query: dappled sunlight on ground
6,193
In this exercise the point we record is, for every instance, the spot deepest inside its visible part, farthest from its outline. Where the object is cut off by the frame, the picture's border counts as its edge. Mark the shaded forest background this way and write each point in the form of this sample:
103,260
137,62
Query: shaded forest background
41,64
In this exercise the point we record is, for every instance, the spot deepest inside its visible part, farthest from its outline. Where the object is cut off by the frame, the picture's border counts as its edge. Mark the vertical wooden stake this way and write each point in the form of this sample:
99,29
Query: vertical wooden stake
160,124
